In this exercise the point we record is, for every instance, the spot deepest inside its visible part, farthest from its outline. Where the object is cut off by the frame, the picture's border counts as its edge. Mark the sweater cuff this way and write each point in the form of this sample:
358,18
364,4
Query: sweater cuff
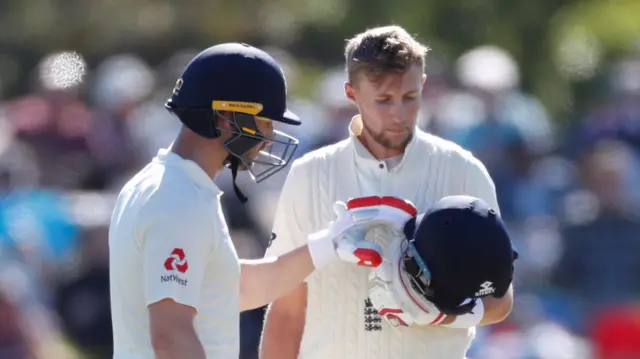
322,249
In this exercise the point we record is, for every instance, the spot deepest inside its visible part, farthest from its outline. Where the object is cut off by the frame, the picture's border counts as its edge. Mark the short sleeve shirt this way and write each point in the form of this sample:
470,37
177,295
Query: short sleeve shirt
168,239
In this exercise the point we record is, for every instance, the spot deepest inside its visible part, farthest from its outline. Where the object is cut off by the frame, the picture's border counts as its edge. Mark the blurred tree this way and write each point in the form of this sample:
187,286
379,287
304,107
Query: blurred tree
556,42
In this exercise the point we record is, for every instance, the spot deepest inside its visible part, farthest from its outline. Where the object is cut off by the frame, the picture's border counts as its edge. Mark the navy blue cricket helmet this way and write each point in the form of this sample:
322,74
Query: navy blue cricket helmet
459,251
247,82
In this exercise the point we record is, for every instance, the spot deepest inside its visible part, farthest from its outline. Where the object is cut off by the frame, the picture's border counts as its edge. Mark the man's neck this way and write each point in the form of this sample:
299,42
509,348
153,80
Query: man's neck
207,154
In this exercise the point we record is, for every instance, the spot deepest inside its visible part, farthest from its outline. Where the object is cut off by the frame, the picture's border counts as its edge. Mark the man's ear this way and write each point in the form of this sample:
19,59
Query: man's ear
349,91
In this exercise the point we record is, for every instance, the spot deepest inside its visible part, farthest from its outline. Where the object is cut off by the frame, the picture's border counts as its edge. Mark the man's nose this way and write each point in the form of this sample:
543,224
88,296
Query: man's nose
397,114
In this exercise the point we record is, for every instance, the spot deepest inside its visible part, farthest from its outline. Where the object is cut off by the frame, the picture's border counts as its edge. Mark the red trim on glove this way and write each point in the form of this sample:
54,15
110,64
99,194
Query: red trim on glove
368,257
391,314
373,201
438,319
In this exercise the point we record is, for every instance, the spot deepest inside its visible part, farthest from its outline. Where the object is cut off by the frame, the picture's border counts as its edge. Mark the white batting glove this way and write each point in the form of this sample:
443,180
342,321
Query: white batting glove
344,239
392,295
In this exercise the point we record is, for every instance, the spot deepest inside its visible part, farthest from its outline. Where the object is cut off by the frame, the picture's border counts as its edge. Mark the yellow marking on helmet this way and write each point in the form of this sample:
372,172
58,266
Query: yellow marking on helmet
248,130
250,108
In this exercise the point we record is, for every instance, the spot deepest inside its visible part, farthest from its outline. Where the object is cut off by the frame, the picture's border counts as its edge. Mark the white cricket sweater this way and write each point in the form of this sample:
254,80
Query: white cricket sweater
339,323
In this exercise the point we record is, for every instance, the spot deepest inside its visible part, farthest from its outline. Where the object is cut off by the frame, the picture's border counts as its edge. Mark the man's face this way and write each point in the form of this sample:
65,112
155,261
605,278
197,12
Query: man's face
266,127
389,106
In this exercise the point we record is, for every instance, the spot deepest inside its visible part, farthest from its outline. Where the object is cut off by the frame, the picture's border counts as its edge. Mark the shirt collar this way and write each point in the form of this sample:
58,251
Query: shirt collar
190,168
364,157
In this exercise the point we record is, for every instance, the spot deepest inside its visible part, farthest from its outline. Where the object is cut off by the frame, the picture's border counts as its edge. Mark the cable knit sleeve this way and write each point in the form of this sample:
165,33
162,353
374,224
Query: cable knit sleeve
478,182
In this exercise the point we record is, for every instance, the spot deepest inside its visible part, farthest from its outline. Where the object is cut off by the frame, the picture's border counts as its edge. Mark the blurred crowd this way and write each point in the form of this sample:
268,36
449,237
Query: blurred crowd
568,191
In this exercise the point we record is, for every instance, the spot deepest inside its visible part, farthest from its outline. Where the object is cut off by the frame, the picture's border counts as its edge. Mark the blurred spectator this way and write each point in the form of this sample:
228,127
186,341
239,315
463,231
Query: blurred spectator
83,303
599,266
503,127
15,342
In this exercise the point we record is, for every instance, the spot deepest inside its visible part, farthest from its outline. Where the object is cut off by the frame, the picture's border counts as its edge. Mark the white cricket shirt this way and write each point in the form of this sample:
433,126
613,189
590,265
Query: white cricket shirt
340,323
168,239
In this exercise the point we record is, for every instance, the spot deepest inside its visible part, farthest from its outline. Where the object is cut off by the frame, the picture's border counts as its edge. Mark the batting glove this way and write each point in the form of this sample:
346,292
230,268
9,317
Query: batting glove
344,238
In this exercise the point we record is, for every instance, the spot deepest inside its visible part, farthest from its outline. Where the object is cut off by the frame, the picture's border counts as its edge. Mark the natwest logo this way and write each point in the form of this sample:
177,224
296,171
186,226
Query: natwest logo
177,261
173,278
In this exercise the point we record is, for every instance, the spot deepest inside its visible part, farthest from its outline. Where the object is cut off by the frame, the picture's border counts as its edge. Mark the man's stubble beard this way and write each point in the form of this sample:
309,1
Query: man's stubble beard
385,142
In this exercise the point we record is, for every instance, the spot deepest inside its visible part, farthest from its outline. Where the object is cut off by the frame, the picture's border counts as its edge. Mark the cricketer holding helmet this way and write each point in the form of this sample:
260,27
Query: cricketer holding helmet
436,267
177,286
331,314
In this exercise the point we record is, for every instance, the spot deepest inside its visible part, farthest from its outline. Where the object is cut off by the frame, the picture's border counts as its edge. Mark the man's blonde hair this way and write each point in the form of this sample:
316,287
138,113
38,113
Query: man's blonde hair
383,50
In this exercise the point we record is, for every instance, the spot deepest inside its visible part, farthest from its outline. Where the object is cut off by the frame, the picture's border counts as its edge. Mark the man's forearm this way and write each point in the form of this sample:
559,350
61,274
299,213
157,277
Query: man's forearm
265,280
280,340
179,346
283,326
196,352
495,310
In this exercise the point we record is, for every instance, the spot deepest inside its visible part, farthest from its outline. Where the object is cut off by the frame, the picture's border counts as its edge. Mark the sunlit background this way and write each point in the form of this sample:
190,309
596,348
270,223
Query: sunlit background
545,92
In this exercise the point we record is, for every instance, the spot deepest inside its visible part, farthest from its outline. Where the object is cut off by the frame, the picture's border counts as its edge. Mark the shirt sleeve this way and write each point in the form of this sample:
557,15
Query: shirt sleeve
175,250
478,183
291,224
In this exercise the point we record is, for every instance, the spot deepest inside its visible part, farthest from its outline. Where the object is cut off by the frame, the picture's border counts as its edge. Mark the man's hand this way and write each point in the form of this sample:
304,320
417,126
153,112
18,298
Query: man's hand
391,294
395,311
345,237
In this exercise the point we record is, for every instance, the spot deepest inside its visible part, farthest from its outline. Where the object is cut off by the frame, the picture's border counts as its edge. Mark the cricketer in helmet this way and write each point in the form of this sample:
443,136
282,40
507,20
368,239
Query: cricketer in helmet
245,87
443,263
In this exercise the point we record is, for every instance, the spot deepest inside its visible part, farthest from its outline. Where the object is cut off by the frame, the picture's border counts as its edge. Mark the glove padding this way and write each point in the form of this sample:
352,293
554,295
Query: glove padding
392,294
344,238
